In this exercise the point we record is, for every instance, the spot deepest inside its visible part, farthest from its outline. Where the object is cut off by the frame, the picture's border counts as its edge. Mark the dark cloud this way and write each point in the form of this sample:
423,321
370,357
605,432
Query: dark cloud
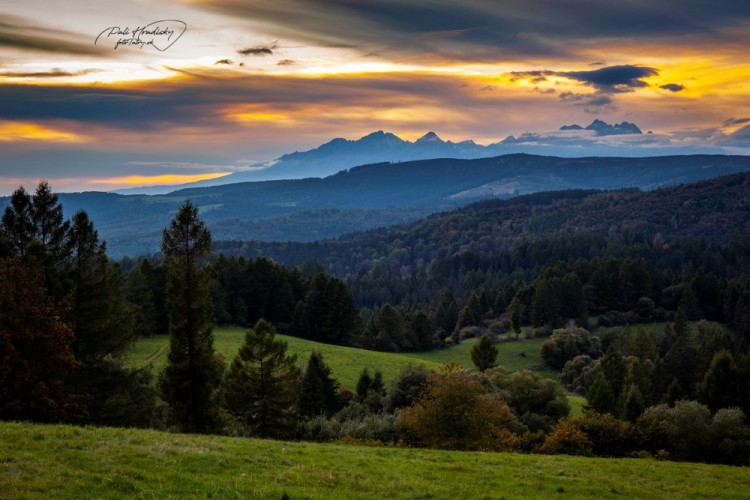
547,90
609,80
228,62
54,73
481,29
613,79
259,50
18,33
201,98
286,62
736,121
534,76
672,87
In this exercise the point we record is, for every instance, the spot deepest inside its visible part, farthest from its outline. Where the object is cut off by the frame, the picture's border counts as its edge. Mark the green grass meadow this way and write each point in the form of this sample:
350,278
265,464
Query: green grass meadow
347,362
55,461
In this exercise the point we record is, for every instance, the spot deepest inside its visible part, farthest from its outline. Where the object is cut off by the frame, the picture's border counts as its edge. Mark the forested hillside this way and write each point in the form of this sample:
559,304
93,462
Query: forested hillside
373,196
716,210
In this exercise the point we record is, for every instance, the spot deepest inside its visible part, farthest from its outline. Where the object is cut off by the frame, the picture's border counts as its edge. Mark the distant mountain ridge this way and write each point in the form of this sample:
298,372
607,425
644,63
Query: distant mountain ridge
378,147
376,195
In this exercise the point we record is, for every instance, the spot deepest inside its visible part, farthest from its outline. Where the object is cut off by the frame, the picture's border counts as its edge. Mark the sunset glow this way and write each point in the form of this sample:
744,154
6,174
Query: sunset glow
261,79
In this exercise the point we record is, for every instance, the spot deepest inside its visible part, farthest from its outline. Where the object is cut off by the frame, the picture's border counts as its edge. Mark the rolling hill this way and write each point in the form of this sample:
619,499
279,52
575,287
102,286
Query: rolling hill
373,196
717,210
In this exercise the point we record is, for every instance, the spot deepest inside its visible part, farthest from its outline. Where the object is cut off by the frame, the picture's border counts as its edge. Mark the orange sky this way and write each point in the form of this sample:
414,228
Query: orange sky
248,81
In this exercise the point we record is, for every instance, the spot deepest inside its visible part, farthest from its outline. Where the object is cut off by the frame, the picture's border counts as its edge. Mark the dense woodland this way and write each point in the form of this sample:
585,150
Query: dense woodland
585,269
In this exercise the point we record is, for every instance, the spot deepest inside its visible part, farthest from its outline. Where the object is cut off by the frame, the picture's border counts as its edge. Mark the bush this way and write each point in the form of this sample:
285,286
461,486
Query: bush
566,438
567,343
455,411
730,437
573,374
609,436
537,401
406,387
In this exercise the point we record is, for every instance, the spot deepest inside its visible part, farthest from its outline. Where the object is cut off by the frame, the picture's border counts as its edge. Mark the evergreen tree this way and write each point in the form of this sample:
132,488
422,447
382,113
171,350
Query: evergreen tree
600,395
720,383
515,310
484,353
318,389
674,393
18,222
35,357
261,387
445,312
103,328
101,320
363,384
192,373
633,405
47,218
615,371
140,294
407,386
328,312
424,331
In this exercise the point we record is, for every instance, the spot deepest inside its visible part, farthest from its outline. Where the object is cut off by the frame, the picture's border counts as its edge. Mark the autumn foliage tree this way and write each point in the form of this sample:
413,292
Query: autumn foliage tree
456,412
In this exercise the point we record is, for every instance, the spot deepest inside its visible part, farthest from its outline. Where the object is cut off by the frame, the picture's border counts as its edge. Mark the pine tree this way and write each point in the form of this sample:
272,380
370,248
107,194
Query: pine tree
18,223
613,366
600,395
192,373
261,387
633,405
47,218
318,391
35,357
363,384
484,353
515,309
102,324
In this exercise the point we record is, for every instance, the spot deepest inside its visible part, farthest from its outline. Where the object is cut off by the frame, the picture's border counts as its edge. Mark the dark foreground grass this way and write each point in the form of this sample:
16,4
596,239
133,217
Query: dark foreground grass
39,461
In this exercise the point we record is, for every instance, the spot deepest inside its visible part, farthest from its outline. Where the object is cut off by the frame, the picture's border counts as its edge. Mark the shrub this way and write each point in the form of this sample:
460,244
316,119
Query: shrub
610,437
456,412
567,343
566,438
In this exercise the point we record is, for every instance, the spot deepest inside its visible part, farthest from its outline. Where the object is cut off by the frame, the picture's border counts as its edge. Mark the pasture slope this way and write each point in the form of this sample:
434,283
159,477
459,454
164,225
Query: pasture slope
56,461
347,362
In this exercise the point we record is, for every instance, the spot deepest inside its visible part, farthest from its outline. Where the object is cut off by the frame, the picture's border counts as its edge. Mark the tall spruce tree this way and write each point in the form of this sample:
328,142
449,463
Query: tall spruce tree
102,324
318,391
192,373
261,387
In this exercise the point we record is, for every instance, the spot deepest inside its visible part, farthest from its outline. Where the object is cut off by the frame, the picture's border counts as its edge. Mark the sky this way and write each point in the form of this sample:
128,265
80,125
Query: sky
104,94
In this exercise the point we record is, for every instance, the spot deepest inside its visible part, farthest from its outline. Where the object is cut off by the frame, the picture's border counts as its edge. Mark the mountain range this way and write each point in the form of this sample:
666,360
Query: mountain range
375,195
597,139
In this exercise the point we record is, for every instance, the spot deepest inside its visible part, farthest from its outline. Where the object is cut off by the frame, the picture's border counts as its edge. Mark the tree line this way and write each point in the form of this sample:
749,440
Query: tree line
66,324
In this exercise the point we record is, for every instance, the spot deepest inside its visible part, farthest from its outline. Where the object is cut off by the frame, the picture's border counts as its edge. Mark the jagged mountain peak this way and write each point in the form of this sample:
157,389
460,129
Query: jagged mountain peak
429,137
603,128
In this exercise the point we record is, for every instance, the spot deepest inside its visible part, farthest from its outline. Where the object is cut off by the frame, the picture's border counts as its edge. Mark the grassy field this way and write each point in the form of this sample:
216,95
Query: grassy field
346,362
39,461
